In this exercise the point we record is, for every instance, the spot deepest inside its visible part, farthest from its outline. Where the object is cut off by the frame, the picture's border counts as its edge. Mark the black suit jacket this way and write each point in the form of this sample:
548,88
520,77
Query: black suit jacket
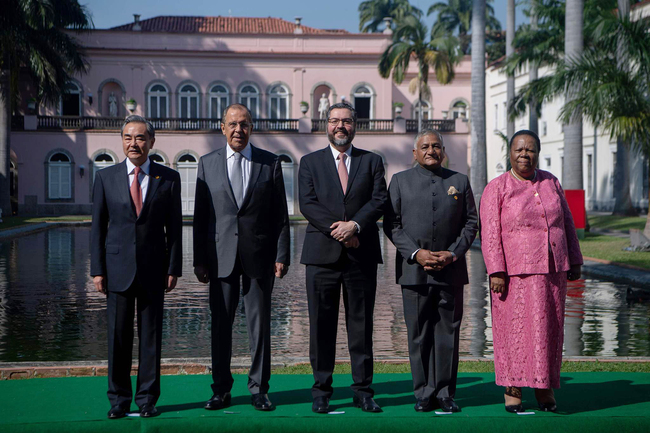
124,245
434,211
258,232
323,203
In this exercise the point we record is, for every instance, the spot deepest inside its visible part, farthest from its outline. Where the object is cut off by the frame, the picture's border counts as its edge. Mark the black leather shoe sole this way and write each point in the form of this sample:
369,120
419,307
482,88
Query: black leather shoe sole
218,403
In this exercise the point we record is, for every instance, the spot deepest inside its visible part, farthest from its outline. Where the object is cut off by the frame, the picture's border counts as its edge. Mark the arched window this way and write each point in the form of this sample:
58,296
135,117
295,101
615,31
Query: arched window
219,100
279,102
102,161
59,172
459,110
187,166
250,97
188,102
426,110
158,102
363,102
157,158
288,173
71,100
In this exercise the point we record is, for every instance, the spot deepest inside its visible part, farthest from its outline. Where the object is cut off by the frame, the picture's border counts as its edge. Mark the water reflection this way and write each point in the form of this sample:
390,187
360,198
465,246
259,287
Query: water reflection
49,310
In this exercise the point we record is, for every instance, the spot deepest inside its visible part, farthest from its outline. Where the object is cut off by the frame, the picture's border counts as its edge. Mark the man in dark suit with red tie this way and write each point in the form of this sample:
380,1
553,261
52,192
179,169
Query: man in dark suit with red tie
342,195
136,256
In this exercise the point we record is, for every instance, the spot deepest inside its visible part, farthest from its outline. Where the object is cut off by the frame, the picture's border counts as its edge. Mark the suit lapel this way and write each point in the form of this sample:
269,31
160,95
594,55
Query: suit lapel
256,167
331,169
122,182
154,183
222,172
354,167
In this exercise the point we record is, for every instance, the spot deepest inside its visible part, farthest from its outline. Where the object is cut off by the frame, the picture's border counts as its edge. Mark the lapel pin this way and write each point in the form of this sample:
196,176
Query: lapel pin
157,177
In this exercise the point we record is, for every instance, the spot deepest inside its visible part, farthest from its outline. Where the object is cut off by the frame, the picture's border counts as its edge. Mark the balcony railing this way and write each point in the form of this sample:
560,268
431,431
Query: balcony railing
442,125
363,125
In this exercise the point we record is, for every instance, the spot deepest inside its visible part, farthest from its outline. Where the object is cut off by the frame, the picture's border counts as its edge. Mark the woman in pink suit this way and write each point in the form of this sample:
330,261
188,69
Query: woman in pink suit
530,248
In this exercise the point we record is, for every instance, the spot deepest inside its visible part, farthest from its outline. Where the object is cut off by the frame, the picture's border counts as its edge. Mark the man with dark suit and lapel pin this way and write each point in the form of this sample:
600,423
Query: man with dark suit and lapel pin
136,256
342,195
431,218
241,231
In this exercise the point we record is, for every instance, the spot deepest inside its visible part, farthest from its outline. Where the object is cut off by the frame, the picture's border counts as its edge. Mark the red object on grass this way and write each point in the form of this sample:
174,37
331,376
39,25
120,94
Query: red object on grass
576,200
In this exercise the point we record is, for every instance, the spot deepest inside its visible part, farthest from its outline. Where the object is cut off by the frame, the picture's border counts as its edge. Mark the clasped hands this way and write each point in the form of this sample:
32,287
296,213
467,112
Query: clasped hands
345,232
433,260
203,275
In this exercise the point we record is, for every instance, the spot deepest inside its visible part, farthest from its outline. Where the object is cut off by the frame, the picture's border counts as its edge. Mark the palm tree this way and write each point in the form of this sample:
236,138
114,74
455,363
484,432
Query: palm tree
33,40
573,47
612,96
456,17
410,41
373,12
510,50
478,174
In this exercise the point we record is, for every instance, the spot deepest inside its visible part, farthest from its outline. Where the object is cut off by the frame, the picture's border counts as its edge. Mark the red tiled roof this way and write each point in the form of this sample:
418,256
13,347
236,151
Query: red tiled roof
222,25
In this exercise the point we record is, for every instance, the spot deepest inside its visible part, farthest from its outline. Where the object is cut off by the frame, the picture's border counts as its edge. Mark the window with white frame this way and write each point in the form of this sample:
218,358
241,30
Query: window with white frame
249,96
188,102
219,100
102,161
426,110
59,172
279,102
459,110
157,158
158,102
504,123
496,116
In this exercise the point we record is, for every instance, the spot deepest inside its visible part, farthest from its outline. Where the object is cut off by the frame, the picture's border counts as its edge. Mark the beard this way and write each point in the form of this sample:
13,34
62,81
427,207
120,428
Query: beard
340,142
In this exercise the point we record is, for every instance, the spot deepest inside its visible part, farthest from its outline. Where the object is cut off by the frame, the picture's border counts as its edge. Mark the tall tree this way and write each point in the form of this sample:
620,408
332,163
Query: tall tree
455,17
533,123
510,50
373,12
614,97
573,47
411,41
33,39
478,174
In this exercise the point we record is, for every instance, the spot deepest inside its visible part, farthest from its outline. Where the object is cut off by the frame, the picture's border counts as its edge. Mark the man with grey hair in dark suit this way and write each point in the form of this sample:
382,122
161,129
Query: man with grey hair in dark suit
431,218
241,239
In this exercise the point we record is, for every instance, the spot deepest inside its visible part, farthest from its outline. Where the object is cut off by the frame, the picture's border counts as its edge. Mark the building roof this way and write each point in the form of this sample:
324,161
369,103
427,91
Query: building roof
222,25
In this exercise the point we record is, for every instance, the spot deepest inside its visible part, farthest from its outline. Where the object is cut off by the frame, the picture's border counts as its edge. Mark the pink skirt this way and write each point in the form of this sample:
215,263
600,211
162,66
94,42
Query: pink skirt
528,330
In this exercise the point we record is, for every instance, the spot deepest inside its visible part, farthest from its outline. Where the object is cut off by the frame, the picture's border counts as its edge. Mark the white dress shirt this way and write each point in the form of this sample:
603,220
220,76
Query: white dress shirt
143,177
246,153
336,153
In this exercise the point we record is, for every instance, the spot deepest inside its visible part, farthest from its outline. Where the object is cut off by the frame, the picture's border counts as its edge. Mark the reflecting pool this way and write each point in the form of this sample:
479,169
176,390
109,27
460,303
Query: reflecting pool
49,310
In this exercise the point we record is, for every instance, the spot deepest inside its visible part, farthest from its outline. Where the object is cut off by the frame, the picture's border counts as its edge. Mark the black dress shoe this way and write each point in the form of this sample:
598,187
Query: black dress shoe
148,410
218,402
447,404
367,404
117,412
261,402
321,405
514,408
547,407
424,405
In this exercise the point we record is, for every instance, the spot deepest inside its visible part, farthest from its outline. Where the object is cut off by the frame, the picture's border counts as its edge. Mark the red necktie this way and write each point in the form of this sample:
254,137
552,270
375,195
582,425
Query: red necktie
136,191
343,171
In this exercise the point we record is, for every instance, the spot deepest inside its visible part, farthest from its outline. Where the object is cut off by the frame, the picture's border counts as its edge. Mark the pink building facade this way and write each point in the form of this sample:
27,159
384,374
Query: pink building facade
182,71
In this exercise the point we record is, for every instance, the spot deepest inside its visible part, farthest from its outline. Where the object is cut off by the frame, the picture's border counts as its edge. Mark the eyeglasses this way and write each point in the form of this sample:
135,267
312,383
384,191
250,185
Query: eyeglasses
335,121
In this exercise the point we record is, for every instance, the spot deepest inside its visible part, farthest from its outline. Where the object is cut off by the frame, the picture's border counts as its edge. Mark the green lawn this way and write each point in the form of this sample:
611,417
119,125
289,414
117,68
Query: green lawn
483,367
611,248
614,222
17,221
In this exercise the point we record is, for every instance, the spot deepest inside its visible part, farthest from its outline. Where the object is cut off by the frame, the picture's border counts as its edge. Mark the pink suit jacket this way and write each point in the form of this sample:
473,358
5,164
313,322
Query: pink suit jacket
521,221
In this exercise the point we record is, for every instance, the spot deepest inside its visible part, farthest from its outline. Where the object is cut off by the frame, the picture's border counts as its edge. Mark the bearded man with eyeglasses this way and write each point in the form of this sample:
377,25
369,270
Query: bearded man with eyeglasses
241,239
342,195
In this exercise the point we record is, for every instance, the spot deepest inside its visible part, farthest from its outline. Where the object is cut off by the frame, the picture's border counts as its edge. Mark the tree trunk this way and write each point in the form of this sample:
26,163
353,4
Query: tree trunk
478,174
573,46
5,136
623,202
646,230
533,121
510,50
420,106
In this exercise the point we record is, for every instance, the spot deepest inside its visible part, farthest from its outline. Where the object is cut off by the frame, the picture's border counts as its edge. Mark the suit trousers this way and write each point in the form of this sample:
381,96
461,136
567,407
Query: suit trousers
324,283
224,298
433,314
121,309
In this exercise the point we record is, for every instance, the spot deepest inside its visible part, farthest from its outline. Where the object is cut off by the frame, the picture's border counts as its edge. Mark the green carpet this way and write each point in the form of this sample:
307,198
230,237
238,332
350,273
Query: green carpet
589,402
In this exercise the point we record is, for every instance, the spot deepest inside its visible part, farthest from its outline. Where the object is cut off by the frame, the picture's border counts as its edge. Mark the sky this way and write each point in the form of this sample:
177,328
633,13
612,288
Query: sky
333,14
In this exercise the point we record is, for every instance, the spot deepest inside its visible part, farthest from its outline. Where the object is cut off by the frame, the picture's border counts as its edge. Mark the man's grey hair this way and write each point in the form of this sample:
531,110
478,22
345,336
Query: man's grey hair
236,105
134,118
344,105
425,132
